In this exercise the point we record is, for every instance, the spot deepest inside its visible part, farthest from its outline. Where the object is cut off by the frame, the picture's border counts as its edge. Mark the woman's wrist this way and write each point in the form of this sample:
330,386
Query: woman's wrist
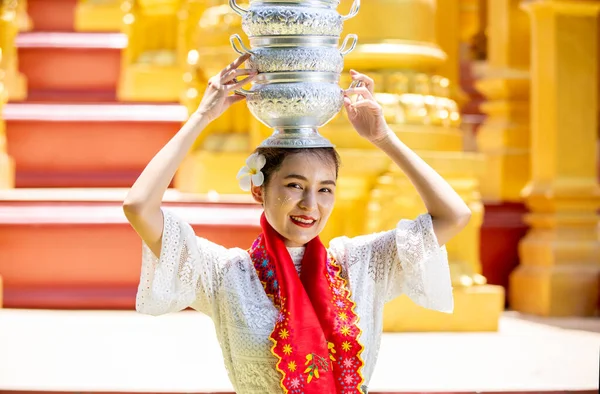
382,137
199,120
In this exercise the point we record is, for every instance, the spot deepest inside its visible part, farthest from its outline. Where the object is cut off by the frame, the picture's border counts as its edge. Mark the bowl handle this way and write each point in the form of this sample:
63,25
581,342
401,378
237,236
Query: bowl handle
243,92
353,11
343,50
237,9
235,39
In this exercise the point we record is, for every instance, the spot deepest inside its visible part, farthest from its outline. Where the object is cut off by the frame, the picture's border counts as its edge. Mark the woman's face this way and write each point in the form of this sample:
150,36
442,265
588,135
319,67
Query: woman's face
299,197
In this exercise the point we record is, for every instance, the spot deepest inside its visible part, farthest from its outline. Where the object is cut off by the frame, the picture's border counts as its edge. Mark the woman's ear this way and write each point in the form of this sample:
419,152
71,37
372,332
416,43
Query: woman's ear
257,194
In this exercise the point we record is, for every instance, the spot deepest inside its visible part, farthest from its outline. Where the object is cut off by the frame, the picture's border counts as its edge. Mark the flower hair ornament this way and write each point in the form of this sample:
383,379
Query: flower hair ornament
251,174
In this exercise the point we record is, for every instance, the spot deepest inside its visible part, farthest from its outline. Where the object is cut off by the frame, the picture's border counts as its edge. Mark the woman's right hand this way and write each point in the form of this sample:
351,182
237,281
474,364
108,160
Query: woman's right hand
217,97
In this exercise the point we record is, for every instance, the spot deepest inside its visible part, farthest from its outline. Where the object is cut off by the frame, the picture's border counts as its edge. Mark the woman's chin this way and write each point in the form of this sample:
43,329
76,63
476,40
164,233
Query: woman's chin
297,240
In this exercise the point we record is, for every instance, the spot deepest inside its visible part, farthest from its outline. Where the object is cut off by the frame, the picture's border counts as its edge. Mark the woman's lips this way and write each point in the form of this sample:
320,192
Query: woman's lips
303,221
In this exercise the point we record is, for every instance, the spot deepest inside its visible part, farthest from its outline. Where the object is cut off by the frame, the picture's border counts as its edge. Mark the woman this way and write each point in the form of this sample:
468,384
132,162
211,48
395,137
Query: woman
290,315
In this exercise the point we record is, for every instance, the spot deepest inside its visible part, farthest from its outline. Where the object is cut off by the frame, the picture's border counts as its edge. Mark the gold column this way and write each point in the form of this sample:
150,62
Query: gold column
504,136
560,256
150,68
24,21
473,52
471,19
98,15
448,37
414,82
225,143
8,26
14,81
7,165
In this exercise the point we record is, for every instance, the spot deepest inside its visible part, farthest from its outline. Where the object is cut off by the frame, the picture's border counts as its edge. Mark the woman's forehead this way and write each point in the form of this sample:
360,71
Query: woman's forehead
308,165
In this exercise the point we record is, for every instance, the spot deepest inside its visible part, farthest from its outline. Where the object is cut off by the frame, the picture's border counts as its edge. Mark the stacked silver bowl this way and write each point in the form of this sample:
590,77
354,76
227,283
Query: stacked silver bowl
295,46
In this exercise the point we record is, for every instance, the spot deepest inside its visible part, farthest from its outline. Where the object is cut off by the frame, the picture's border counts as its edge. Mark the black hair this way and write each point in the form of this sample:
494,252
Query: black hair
275,156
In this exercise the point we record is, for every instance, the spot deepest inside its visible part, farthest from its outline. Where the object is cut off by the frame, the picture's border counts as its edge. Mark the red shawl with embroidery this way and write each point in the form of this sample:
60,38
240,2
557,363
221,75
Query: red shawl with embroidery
315,338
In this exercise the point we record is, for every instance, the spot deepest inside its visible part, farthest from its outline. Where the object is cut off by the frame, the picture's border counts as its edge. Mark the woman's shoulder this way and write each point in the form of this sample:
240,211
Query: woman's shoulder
182,231
220,253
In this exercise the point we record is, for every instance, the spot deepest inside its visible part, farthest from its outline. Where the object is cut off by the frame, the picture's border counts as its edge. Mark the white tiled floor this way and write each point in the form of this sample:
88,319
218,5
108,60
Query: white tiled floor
127,352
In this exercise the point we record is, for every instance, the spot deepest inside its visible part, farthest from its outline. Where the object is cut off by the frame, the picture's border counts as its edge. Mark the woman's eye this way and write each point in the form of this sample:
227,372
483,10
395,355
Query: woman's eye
294,185
327,190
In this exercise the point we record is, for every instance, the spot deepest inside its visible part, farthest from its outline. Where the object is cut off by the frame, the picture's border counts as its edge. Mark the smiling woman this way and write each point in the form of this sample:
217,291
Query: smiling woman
298,192
291,315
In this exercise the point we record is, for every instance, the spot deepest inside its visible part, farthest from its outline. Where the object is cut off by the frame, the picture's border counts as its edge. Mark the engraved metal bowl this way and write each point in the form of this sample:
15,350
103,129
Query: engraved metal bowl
325,58
295,104
268,19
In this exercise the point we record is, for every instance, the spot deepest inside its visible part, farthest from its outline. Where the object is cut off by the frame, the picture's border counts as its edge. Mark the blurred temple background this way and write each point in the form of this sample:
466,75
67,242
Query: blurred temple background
501,97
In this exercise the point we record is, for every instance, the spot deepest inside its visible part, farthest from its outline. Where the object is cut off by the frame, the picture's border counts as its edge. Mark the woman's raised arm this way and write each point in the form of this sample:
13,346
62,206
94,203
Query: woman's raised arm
448,211
142,204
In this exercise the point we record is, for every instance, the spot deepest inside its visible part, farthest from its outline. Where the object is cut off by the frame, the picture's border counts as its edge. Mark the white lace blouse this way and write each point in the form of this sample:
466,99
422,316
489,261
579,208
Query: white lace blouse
222,283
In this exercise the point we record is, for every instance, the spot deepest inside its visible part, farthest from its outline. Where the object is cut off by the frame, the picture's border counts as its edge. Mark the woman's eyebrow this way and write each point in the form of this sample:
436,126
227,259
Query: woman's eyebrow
303,178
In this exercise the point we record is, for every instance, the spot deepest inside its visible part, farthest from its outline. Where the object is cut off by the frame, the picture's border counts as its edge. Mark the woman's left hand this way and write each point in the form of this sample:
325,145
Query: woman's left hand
365,114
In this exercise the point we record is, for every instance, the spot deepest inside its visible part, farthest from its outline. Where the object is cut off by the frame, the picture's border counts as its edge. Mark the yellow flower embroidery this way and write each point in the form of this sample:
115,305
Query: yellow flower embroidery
343,316
313,366
345,330
331,348
283,334
346,346
292,366
287,349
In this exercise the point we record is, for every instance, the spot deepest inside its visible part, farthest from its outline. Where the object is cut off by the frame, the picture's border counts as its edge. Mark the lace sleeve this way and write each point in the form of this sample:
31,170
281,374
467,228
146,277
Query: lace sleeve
407,260
187,272
421,270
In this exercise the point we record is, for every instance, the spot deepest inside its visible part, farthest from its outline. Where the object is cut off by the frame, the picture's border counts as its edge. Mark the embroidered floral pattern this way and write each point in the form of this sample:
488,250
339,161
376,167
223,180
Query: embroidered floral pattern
345,362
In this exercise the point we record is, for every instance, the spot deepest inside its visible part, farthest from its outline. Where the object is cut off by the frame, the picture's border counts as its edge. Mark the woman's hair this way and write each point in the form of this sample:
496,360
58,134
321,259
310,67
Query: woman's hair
275,156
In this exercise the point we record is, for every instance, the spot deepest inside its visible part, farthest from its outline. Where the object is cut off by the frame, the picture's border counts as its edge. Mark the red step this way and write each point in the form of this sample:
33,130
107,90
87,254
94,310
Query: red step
71,66
73,249
86,145
52,15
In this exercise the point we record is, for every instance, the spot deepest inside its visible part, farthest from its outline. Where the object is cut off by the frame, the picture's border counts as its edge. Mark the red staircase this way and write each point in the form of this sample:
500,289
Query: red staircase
57,144
64,241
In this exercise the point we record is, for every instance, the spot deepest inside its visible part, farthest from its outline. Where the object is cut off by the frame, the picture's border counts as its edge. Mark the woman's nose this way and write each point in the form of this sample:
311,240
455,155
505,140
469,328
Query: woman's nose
308,202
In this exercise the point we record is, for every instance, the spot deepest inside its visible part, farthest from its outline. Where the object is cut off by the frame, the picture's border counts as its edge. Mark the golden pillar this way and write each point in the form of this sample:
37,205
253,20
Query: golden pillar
150,65
225,143
472,28
24,21
504,136
448,37
416,90
15,82
8,27
560,256
98,15
472,53
471,19
7,165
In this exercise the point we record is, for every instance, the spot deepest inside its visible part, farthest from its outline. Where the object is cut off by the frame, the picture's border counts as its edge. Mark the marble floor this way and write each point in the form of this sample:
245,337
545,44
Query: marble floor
120,351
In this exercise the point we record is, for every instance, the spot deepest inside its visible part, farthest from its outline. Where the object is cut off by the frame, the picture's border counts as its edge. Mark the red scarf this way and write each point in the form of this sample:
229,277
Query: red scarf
316,334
